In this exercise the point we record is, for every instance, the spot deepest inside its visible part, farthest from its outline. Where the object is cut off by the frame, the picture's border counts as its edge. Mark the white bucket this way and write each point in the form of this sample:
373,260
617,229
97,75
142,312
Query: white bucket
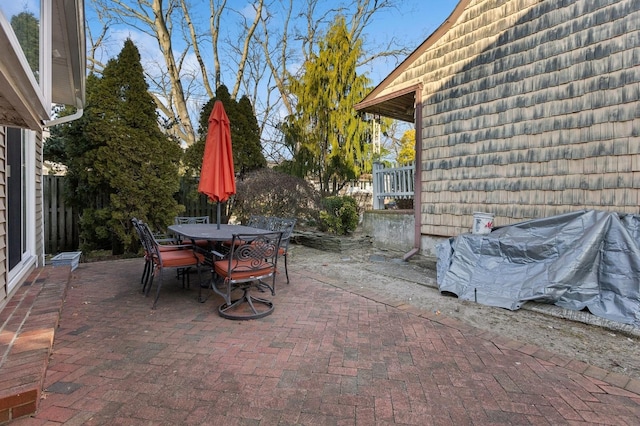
482,223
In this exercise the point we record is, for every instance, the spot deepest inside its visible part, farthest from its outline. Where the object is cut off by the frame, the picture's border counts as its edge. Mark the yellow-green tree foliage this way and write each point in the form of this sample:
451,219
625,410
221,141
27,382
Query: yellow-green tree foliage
407,152
328,134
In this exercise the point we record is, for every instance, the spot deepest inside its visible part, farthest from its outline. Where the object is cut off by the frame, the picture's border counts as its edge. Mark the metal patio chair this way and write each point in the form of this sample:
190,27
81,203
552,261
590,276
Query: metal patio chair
181,220
188,220
180,256
251,263
286,227
260,222
165,244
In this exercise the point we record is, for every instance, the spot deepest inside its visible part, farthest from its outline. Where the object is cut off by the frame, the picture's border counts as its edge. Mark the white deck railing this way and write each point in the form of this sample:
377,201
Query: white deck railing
392,182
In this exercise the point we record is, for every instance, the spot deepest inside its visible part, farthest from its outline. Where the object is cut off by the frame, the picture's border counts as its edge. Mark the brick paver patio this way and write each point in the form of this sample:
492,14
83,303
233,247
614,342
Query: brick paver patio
326,356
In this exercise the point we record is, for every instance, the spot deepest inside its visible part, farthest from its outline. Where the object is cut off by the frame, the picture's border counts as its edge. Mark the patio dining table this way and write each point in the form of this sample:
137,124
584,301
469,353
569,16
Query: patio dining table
211,232
216,236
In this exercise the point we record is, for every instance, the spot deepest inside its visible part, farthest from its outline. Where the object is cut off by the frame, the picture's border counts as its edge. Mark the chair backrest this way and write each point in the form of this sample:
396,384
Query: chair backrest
183,220
284,225
253,256
260,222
149,243
137,225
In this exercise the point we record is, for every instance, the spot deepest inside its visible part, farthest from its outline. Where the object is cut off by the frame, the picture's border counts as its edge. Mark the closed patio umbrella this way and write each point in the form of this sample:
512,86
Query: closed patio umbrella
217,178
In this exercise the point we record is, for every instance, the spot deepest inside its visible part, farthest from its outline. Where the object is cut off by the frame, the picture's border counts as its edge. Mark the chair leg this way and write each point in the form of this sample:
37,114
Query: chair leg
155,301
149,283
286,270
200,299
145,273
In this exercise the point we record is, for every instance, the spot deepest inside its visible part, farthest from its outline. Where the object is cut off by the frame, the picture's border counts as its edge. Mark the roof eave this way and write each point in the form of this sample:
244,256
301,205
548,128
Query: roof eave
68,53
386,108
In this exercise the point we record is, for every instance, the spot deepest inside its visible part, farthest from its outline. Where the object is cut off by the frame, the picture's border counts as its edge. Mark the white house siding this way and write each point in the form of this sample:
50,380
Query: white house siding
529,109
39,214
3,218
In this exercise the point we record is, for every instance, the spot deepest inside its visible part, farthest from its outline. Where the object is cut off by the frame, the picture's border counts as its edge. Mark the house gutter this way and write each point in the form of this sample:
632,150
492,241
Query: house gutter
417,191
67,118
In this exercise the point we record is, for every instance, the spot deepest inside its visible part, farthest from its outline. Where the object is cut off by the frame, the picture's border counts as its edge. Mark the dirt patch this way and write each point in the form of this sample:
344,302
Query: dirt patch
415,282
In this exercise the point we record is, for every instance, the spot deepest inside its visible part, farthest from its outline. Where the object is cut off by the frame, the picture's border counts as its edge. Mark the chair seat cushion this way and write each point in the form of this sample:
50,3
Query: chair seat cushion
177,258
242,270
169,247
202,243
229,242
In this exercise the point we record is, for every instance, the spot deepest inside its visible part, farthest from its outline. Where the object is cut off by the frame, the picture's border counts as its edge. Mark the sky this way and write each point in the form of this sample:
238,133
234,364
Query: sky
13,7
411,23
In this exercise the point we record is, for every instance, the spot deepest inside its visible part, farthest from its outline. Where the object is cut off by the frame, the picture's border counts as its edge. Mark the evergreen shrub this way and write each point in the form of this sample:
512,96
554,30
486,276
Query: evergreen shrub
340,215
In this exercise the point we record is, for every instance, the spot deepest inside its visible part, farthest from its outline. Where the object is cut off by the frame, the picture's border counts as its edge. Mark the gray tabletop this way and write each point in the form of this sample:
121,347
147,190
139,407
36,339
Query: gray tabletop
210,231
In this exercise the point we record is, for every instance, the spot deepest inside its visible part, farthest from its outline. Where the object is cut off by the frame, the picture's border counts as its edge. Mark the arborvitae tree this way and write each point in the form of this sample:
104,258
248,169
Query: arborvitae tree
247,151
121,164
245,134
327,131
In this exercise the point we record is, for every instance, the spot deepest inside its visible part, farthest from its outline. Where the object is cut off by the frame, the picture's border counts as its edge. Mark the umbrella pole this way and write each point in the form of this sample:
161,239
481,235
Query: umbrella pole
218,215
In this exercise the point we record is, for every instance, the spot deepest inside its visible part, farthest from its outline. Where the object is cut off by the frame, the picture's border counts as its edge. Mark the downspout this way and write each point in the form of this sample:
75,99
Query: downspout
76,115
417,192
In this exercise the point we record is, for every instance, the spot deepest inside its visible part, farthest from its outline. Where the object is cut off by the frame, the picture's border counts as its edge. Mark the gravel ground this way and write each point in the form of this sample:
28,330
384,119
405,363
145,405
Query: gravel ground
578,335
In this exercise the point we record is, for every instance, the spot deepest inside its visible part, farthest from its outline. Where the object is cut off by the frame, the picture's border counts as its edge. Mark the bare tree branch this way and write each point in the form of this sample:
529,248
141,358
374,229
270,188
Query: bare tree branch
258,52
278,72
164,41
214,28
196,47
95,66
245,48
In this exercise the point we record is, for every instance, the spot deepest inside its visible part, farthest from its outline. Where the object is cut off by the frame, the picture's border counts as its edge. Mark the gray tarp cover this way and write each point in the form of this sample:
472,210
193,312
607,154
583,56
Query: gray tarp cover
587,259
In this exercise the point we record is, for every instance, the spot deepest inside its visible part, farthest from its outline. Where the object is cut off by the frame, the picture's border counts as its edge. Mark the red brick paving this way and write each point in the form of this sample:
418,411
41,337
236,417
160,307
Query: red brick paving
326,356
27,326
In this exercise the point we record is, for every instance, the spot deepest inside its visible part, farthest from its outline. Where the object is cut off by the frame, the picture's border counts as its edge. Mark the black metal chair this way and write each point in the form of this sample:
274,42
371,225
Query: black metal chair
165,244
286,227
147,258
188,220
180,256
182,220
260,222
251,263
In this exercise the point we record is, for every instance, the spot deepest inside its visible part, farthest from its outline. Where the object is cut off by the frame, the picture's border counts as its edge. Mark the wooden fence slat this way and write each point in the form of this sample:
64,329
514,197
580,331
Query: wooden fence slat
61,221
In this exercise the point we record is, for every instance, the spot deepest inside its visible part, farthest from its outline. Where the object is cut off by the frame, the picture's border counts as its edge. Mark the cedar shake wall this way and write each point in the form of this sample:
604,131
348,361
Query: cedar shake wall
530,109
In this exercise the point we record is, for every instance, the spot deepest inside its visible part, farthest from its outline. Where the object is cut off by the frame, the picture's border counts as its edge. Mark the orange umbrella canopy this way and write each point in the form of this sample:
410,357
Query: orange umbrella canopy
217,178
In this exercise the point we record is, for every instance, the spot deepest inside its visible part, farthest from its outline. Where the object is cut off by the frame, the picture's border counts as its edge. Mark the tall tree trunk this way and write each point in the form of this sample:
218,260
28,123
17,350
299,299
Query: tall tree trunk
164,40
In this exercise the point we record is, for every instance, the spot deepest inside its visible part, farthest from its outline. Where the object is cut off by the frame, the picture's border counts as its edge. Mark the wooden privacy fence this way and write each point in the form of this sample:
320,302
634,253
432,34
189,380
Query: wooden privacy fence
61,229
195,203
60,219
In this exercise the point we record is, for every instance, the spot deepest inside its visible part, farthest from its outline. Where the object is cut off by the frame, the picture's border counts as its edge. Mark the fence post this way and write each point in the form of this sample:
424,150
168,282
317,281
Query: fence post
377,176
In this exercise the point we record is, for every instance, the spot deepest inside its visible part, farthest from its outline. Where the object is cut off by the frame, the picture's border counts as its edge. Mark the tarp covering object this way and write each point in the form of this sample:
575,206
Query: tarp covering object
587,259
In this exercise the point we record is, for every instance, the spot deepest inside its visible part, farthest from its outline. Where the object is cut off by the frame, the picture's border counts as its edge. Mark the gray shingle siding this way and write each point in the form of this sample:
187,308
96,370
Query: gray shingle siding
530,109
